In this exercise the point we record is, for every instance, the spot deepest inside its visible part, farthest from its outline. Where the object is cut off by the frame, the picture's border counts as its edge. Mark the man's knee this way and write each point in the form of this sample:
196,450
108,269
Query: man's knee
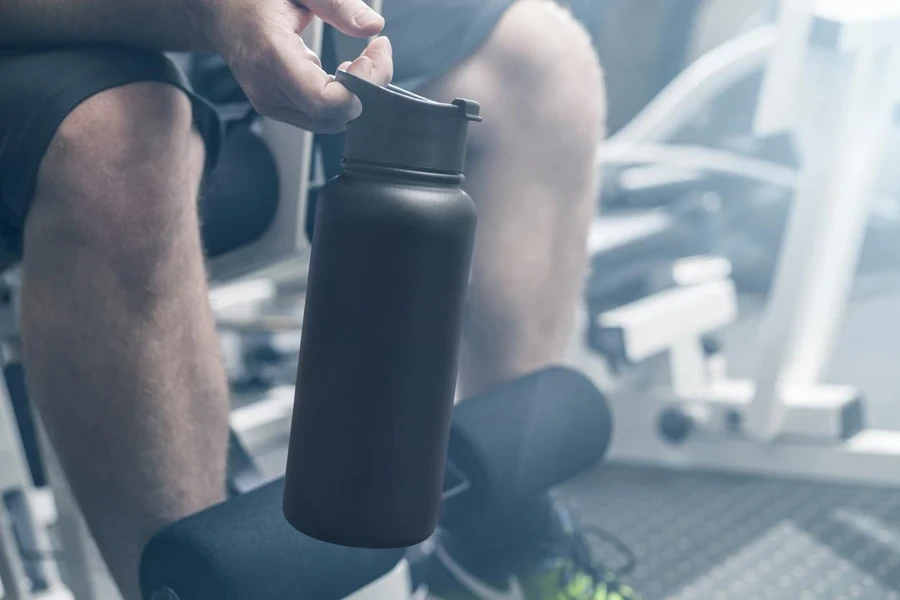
539,71
120,166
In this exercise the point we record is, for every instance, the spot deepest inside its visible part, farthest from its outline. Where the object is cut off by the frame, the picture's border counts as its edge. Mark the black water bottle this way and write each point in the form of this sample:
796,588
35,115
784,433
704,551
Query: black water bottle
390,262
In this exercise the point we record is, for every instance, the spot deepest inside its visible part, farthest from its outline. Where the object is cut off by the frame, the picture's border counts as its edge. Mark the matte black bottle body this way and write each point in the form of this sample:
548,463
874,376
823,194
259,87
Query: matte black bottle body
378,362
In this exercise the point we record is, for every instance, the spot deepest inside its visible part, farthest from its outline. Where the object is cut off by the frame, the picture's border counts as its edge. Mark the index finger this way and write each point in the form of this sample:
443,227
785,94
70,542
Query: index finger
309,89
351,17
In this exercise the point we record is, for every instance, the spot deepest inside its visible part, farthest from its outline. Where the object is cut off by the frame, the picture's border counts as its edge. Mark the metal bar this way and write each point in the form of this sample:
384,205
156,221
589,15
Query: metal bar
13,581
33,534
396,585
14,476
678,24
857,164
777,108
870,458
826,230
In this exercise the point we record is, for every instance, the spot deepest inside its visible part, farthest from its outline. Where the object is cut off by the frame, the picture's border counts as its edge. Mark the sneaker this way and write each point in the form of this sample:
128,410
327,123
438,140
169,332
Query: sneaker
562,568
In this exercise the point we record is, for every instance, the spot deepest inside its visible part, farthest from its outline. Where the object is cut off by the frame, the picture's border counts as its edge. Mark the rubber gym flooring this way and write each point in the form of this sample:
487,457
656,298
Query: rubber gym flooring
699,536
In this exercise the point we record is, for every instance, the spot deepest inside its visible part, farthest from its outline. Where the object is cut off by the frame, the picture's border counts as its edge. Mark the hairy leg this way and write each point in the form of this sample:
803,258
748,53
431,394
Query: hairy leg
531,173
119,342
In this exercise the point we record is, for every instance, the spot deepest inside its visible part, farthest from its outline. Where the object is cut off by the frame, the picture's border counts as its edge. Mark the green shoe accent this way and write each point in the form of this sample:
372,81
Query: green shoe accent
559,581
562,567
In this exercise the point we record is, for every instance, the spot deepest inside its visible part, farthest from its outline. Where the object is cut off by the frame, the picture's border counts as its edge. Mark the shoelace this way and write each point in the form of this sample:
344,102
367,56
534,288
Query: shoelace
629,561
583,558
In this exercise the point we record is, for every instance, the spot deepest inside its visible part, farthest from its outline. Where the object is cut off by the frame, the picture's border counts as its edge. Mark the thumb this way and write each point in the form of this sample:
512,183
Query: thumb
351,17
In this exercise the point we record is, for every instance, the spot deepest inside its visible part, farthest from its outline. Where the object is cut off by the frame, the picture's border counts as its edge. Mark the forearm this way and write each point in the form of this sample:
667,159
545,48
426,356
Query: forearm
157,24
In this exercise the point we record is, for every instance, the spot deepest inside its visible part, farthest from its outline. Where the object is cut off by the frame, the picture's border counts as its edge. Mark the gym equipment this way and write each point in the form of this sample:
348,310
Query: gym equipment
707,121
281,235
22,574
511,444
695,422
387,281
784,421
244,548
700,422
521,439
679,19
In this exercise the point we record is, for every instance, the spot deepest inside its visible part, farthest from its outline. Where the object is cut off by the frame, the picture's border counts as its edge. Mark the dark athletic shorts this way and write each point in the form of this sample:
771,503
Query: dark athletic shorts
40,87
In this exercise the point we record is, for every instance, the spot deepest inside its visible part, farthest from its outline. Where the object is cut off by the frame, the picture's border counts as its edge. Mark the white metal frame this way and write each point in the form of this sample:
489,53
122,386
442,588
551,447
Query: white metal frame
15,476
791,424
843,145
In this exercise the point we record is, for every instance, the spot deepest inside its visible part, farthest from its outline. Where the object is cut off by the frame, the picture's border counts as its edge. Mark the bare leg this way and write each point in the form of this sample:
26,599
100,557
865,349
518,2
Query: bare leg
531,173
120,346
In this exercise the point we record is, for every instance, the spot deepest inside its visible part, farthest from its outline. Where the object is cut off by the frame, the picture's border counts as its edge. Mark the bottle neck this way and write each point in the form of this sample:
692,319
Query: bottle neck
369,169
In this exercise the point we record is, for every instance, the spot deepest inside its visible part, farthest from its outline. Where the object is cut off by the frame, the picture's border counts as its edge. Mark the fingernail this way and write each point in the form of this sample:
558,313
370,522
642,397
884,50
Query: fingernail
361,67
386,43
367,18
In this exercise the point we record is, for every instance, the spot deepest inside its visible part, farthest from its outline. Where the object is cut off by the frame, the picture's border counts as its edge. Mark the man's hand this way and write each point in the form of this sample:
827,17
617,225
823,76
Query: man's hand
260,40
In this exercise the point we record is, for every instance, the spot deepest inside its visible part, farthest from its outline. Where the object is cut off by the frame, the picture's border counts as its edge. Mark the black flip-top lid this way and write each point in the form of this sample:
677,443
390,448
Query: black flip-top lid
400,129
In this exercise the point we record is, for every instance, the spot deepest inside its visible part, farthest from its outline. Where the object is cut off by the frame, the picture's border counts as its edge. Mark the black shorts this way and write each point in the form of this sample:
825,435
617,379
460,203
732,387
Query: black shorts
40,87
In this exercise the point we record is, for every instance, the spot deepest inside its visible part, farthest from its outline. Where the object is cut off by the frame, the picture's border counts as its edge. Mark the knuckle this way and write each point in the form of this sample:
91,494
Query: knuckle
338,7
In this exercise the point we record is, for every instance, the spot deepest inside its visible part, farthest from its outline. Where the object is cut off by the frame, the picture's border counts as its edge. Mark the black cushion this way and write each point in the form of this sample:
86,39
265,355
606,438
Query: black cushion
519,440
240,197
244,549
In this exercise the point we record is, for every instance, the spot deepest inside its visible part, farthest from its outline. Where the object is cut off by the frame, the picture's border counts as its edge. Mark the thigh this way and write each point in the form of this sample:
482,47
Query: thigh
40,87
432,37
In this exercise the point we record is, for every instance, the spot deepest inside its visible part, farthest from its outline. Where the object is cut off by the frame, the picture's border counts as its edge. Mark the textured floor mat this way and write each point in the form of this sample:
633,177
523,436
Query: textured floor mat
700,536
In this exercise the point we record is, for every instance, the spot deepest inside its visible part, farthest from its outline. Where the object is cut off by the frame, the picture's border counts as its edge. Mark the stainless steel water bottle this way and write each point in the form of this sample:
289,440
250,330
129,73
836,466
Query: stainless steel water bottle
388,274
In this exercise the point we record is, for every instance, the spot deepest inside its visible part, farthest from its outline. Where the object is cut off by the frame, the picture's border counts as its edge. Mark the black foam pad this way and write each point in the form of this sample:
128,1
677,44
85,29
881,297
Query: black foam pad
244,549
521,439
240,196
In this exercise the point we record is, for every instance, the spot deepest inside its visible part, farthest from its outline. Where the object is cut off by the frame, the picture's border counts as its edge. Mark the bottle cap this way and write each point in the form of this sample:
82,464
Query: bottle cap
398,128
